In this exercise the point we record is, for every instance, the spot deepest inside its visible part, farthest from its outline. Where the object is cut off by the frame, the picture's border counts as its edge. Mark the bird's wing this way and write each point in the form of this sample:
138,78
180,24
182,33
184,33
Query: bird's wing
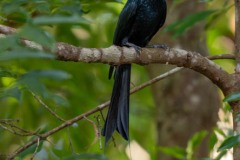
162,18
126,19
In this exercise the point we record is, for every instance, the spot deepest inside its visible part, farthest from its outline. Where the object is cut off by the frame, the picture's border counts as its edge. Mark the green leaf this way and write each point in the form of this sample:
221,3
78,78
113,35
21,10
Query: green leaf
175,152
34,85
59,100
8,42
13,92
35,34
7,73
31,81
24,54
218,15
194,142
226,108
14,12
212,141
46,20
220,155
51,74
220,132
229,143
232,97
181,26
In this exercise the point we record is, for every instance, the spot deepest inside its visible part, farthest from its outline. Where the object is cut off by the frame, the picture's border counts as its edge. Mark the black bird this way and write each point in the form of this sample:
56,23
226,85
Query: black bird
137,24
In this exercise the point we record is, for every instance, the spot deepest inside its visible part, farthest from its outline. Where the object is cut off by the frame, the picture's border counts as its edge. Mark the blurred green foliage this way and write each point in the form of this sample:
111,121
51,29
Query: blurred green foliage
71,88
232,97
68,88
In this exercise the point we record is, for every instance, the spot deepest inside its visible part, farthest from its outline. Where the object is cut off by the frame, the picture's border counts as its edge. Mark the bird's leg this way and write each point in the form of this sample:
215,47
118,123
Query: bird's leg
129,44
163,46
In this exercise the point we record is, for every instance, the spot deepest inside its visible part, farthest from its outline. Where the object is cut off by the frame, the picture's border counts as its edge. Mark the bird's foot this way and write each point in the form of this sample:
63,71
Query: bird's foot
163,46
137,48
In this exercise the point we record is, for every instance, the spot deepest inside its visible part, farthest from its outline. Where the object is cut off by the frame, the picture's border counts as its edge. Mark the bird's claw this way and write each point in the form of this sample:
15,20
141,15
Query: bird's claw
163,46
137,49
129,44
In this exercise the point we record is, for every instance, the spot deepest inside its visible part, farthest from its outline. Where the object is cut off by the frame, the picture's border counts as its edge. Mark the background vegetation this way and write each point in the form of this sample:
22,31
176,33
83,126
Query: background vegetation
71,88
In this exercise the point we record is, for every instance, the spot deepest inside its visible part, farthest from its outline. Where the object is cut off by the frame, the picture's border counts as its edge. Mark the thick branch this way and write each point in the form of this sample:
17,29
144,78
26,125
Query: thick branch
237,33
122,55
236,88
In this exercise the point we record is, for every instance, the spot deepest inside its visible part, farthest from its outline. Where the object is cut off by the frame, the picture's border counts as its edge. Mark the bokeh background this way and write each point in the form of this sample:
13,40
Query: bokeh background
181,117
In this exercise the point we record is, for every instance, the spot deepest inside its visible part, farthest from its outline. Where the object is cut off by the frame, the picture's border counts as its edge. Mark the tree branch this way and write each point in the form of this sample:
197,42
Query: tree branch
115,55
79,117
237,34
14,129
236,76
46,107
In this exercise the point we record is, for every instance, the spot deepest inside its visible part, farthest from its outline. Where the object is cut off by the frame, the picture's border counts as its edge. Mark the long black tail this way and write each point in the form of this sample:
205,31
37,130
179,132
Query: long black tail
118,112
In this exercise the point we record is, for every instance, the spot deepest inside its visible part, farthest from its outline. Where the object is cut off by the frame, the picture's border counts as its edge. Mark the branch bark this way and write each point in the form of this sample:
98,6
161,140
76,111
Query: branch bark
237,34
236,77
115,55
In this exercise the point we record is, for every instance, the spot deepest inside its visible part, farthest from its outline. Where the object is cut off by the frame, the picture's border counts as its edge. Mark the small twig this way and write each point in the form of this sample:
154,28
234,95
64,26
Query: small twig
102,115
156,79
79,117
70,140
133,84
36,149
5,128
26,133
99,131
46,106
13,131
14,126
95,130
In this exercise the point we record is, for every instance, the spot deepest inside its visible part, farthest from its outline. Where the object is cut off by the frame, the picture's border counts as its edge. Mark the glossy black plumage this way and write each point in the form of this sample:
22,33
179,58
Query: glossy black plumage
137,24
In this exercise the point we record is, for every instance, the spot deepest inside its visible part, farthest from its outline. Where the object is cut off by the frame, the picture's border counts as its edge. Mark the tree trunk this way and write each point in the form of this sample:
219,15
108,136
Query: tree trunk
186,102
